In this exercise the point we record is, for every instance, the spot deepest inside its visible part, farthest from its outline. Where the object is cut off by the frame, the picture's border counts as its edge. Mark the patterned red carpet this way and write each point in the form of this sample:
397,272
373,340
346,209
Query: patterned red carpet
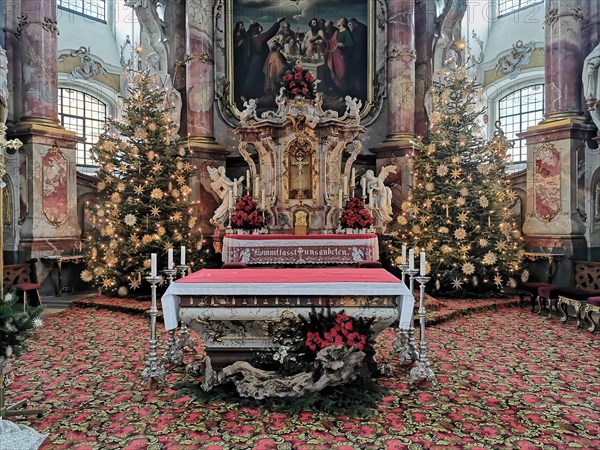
508,379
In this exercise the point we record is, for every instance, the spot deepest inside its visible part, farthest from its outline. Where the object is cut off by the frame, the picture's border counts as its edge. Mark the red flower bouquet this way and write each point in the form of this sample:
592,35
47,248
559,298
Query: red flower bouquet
246,215
299,82
355,215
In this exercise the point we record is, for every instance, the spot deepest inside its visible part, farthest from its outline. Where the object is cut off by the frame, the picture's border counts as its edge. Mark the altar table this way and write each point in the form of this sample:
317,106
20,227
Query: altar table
236,309
291,249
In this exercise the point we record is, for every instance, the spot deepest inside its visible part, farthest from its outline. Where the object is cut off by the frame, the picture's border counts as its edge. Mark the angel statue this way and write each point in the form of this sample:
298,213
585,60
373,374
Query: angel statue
380,194
353,106
248,113
223,186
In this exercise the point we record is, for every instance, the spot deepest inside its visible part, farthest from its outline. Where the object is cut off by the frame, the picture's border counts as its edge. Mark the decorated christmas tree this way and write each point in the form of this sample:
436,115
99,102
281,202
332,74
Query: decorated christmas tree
143,181
457,209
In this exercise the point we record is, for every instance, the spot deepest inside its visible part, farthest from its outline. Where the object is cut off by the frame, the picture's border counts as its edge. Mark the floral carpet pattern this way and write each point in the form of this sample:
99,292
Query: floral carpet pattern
507,379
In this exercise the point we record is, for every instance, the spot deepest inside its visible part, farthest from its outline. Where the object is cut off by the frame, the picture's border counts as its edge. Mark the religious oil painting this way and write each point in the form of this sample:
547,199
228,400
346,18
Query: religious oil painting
547,182
332,39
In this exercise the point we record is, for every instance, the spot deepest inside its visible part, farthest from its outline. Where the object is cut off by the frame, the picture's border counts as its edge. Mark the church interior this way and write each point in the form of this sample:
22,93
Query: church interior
299,224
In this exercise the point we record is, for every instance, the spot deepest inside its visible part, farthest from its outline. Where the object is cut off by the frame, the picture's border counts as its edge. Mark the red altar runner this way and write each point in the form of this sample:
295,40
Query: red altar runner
291,249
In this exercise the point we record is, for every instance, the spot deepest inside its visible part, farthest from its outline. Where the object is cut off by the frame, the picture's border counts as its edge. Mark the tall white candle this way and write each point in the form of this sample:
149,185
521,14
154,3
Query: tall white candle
183,255
423,265
353,176
403,253
230,199
370,198
340,199
411,259
256,187
345,185
248,181
363,184
170,259
153,266
262,199
235,190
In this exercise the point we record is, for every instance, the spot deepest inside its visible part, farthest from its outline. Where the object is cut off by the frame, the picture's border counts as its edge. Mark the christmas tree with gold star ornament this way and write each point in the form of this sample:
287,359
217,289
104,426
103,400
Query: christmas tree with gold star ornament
457,210
144,202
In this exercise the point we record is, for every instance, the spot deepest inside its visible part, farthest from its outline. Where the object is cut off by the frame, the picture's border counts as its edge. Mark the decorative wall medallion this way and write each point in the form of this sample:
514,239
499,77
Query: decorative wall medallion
55,185
546,182
520,55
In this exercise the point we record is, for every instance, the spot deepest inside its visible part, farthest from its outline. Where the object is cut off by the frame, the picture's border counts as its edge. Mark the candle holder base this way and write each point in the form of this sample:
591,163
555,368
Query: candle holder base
421,371
154,369
409,352
173,354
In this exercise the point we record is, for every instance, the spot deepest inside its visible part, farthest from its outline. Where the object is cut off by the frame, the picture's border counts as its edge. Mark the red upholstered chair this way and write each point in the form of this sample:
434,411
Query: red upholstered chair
369,265
549,293
577,298
593,305
530,289
234,265
29,287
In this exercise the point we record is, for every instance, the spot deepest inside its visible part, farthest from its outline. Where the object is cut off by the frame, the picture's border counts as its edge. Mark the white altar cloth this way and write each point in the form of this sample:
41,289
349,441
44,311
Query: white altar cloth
305,282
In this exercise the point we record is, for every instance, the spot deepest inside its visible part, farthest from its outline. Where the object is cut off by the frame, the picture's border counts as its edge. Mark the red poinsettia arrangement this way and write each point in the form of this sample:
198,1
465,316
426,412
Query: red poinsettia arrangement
246,215
355,214
299,82
342,333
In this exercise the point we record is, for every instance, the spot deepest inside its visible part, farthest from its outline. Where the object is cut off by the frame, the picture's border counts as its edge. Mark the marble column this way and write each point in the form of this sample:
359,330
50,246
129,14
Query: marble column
48,182
401,58
564,57
39,62
200,93
425,15
556,148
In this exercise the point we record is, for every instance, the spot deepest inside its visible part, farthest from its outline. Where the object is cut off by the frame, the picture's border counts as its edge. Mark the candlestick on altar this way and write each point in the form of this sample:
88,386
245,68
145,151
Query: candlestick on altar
422,370
230,199
422,264
172,353
154,367
345,185
402,336
248,182
409,352
182,257
184,340
340,200
411,261
235,188
263,203
153,266
256,187
170,259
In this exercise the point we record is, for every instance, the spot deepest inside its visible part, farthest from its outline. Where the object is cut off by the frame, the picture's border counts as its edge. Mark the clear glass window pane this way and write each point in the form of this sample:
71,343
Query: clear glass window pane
90,8
517,111
85,115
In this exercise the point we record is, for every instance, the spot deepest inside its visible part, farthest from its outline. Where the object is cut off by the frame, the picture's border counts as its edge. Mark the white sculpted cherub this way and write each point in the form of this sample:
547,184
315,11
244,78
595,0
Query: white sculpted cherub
353,106
248,113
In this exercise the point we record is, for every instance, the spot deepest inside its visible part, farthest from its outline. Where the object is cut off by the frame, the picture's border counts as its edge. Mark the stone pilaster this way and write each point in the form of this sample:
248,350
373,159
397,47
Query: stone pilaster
200,93
555,190
48,182
39,62
425,14
400,94
564,57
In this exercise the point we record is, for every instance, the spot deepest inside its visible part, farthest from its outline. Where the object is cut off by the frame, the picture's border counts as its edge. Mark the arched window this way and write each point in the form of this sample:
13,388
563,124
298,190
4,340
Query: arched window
517,111
85,115
510,6
95,9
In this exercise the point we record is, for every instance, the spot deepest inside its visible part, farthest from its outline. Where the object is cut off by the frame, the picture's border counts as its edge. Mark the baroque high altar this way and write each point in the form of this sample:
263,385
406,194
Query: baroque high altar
297,170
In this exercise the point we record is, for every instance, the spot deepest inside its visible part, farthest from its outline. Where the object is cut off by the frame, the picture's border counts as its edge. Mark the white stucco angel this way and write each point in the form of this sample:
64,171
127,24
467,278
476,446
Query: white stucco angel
223,186
353,106
162,82
249,112
380,195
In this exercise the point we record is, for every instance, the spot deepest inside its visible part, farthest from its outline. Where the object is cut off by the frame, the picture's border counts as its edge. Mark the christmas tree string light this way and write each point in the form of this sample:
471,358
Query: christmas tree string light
456,208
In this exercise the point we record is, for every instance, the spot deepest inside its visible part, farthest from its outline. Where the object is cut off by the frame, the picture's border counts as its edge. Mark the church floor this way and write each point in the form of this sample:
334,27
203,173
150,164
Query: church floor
507,379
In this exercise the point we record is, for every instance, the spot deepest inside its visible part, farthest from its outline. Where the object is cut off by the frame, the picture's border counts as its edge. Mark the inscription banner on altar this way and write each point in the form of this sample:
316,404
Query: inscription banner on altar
290,250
